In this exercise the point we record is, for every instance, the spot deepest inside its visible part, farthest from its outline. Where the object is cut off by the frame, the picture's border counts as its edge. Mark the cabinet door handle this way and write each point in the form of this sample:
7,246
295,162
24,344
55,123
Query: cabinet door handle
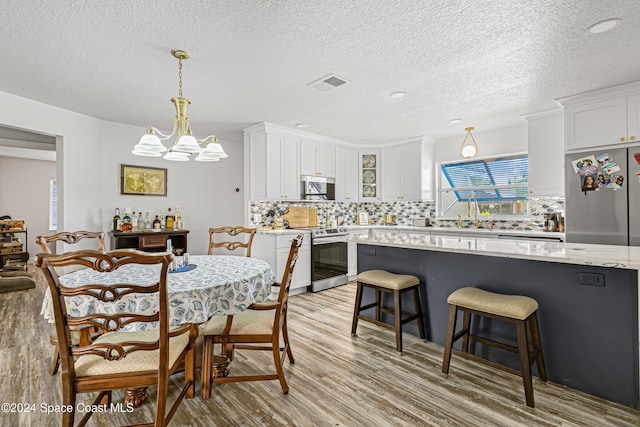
632,137
622,138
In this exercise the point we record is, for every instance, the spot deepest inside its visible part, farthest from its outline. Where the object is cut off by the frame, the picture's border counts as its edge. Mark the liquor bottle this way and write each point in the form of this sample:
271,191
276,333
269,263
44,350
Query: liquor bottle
178,223
140,221
148,225
126,221
134,221
169,220
116,220
163,222
156,223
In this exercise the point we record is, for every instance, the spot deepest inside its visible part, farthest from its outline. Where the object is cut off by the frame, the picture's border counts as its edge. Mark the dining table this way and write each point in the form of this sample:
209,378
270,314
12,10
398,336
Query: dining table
210,285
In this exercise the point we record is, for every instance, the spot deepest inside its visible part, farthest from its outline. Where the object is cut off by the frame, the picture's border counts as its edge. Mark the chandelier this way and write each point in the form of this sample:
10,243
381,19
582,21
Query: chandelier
185,144
469,151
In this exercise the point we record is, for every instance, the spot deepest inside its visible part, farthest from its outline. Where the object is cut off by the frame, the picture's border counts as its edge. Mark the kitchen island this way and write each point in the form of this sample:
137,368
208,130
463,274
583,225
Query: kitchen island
588,297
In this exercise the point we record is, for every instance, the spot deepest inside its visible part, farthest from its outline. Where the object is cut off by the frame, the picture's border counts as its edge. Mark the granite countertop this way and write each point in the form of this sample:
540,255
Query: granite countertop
626,257
284,232
455,230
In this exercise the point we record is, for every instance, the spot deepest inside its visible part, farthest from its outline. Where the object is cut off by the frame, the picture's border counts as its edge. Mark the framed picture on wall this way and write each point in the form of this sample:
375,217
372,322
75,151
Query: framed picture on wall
143,181
363,218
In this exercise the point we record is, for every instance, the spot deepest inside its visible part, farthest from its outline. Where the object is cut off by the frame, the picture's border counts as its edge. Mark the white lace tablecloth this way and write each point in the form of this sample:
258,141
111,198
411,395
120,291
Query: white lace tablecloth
219,285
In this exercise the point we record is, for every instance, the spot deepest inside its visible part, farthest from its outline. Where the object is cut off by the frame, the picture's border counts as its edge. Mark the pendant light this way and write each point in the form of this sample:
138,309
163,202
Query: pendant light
469,150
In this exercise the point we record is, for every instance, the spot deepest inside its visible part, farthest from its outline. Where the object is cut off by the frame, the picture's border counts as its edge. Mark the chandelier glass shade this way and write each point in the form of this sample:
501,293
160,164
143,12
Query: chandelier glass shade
185,145
469,150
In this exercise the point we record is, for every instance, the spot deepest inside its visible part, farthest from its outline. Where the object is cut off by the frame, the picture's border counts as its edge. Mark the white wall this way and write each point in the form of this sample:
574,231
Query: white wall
493,142
88,156
24,194
205,191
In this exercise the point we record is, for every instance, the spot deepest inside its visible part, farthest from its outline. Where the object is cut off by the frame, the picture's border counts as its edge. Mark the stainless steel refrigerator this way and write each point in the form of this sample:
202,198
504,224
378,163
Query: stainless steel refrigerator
603,196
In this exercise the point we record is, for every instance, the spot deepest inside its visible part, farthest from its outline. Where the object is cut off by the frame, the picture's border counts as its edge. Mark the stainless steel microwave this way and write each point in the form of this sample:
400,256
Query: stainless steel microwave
317,188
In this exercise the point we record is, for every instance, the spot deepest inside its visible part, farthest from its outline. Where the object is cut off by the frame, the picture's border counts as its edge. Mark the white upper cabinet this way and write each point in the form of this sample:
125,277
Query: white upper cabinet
273,157
283,178
369,175
545,135
607,117
402,172
596,124
346,174
633,118
317,158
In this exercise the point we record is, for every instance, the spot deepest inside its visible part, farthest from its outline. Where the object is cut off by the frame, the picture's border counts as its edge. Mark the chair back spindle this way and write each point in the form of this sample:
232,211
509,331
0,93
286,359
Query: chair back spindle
70,238
233,232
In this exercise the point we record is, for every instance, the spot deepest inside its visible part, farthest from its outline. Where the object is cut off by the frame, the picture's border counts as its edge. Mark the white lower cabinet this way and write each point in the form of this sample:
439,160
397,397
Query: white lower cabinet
274,249
352,253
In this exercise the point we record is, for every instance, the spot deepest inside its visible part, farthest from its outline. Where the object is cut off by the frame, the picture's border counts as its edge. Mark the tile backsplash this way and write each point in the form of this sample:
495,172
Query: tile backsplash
346,212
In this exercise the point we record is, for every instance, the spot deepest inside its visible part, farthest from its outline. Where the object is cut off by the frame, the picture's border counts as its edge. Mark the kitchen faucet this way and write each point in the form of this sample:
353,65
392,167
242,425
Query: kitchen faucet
476,224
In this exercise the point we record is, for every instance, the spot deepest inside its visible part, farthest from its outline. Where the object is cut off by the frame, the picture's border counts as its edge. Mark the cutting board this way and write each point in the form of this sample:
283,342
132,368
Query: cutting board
297,217
313,217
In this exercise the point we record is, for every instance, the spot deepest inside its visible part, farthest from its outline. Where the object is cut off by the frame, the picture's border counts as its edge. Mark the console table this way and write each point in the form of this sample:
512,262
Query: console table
150,241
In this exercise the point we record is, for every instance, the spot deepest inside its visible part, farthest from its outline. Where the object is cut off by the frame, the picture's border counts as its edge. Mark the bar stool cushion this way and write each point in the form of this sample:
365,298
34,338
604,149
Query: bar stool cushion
387,280
513,306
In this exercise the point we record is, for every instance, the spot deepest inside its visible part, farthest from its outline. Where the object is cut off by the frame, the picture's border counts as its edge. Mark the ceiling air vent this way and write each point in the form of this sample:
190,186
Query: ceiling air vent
328,83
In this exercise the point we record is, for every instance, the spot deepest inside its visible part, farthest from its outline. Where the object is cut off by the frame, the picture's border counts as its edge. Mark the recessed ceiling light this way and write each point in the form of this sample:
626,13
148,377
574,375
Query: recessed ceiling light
397,95
455,121
301,125
603,26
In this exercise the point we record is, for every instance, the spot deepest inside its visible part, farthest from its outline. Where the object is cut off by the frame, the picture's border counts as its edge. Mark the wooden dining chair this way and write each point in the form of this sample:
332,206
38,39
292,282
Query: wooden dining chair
231,245
68,237
71,238
257,328
119,359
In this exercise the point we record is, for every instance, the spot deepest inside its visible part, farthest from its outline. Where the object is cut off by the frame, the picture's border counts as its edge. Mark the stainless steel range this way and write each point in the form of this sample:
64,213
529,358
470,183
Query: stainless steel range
329,257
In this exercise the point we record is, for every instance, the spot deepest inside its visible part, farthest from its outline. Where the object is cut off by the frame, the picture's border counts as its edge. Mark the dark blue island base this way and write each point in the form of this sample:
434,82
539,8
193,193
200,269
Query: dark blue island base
588,315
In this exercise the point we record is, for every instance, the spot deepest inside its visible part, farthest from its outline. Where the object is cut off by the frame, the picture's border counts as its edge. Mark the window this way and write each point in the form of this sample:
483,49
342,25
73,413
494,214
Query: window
500,184
53,205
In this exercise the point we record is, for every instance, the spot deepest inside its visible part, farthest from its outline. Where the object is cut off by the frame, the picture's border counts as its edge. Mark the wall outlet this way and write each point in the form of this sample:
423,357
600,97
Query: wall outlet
591,279
257,217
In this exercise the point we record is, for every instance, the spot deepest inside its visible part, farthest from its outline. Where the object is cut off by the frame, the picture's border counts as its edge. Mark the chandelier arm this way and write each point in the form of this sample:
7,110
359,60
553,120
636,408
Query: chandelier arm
203,140
162,136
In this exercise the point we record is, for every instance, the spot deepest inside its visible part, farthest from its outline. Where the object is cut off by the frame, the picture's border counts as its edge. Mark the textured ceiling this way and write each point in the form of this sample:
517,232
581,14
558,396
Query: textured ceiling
486,62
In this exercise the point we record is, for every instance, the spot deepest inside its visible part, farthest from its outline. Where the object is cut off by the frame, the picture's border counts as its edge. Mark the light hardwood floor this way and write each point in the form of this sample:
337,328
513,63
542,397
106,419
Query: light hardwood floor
337,380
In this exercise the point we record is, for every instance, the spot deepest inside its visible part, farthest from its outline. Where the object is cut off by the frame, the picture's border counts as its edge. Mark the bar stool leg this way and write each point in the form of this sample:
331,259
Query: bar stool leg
466,327
379,299
356,309
451,329
397,308
418,304
537,345
523,350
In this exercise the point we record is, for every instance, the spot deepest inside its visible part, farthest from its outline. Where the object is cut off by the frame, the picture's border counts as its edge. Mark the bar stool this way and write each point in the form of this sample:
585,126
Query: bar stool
516,309
395,284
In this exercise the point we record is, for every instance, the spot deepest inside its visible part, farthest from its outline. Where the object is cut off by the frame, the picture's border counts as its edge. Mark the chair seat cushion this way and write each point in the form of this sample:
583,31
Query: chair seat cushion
248,322
387,280
513,306
138,361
